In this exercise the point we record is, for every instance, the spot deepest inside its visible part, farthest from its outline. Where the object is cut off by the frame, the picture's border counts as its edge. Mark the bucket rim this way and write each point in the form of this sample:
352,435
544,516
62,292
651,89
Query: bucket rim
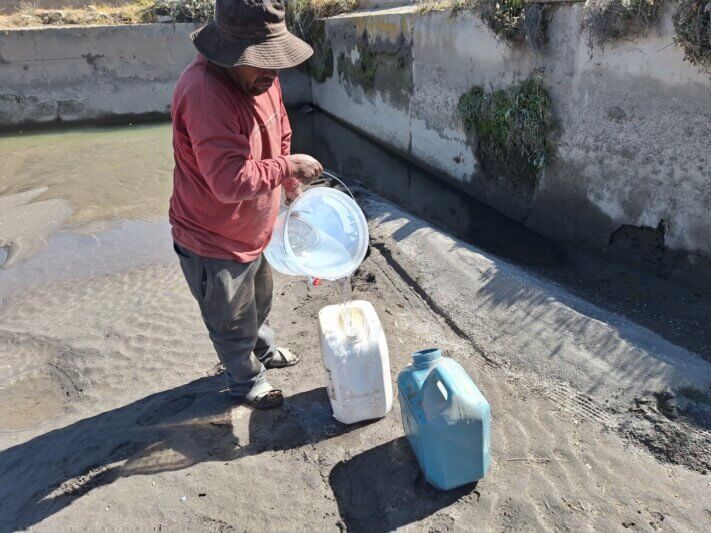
347,201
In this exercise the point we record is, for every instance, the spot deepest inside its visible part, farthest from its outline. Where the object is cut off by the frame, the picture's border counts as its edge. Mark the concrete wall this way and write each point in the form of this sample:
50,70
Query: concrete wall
631,169
633,122
97,73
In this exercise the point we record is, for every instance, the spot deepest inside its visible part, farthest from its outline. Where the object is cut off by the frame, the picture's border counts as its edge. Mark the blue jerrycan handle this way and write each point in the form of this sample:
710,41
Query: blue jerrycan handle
439,379
444,378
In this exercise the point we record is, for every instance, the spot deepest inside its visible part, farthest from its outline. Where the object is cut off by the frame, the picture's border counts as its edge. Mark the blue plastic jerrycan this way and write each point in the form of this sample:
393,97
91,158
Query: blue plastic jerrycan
446,419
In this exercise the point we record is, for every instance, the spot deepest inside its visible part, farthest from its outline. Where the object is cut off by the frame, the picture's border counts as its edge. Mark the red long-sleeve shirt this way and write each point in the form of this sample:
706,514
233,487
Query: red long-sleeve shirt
229,151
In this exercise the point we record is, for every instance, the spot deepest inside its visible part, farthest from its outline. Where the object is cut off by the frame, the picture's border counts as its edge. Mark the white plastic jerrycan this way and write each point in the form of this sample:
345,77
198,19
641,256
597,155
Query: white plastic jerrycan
355,355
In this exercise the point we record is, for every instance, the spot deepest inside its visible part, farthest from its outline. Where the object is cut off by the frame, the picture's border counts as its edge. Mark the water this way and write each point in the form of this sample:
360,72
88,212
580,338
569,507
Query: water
326,255
345,295
83,202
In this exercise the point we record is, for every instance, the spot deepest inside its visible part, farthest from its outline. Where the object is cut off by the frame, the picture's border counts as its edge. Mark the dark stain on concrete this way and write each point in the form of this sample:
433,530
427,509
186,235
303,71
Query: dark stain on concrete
382,66
641,242
92,58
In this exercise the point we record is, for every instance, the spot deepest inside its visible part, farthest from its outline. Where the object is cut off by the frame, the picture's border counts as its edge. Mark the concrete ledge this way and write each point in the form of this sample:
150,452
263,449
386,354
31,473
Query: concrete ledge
70,74
517,320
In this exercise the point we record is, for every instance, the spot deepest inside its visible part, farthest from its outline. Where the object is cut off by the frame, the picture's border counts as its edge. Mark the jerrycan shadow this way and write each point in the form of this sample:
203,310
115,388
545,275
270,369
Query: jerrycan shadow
383,488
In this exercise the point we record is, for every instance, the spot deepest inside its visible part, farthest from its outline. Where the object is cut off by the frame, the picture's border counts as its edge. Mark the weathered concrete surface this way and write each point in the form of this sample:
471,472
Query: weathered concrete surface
517,319
86,73
633,123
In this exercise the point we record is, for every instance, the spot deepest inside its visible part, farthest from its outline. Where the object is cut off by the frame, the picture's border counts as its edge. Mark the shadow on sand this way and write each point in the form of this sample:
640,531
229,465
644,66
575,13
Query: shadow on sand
383,488
167,431
378,489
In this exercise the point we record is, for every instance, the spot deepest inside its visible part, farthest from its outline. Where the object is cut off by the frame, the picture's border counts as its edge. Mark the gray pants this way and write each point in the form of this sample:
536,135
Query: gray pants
235,300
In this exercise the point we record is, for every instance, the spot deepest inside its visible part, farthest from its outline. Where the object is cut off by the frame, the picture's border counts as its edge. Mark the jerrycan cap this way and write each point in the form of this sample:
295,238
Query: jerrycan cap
425,358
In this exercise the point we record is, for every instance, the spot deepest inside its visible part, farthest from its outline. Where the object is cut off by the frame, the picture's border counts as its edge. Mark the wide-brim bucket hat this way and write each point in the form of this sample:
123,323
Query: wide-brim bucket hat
250,32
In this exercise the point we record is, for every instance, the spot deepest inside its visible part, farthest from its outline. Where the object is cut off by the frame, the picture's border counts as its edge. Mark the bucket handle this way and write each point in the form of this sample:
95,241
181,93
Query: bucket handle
287,244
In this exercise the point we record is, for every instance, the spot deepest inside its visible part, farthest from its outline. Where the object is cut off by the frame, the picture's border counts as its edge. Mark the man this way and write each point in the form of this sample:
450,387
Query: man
231,142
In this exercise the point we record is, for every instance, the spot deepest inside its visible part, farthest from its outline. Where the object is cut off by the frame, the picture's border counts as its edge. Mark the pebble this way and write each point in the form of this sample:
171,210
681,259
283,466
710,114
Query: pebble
183,498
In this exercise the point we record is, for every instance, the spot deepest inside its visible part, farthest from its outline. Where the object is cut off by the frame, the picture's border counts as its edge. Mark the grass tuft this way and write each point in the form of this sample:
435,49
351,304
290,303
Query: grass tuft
505,18
184,10
431,6
510,126
513,20
609,20
301,15
692,25
305,19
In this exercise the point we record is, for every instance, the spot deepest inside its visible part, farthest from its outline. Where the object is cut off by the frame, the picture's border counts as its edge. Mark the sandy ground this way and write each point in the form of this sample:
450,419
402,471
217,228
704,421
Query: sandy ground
113,414
117,420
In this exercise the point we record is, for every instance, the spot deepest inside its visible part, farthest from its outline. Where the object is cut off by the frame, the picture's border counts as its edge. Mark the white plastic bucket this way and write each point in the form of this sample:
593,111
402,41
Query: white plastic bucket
323,234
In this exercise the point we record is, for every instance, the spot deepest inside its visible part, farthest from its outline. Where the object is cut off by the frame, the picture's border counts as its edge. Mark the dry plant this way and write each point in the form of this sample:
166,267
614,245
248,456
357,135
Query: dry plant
692,23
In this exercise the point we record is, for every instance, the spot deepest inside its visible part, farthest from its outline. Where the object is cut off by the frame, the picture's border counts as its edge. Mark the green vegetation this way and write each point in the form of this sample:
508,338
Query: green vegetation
505,18
301,15
305,19
510,126
608,20
184,10
430,6
513,20
692,23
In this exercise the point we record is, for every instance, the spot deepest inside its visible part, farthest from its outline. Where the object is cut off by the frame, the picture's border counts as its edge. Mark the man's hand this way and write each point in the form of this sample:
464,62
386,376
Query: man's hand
293,194
307,168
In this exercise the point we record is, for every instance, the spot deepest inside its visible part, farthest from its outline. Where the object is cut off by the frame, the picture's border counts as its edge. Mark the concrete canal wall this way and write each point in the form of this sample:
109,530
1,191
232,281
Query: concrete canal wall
92,73
630,168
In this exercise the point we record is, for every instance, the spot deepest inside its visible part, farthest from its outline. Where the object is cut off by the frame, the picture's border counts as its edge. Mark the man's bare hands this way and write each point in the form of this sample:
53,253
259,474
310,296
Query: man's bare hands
293,194
307,168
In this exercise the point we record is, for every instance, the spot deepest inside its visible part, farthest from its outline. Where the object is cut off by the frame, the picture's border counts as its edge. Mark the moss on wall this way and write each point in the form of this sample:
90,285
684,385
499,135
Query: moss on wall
379,64
320,66
510,127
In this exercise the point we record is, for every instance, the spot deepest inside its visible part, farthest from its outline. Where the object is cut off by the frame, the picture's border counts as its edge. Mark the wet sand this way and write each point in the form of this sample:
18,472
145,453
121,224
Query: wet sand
113,414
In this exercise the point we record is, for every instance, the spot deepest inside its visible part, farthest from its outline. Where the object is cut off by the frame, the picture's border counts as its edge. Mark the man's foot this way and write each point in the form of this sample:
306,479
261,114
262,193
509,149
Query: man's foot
262,396
283,358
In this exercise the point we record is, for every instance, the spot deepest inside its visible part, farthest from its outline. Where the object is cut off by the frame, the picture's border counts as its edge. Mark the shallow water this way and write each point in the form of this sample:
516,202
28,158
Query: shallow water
83,202
80,203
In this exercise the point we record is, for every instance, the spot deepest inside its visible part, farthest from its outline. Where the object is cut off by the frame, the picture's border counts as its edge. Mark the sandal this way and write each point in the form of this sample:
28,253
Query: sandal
268,400
283,358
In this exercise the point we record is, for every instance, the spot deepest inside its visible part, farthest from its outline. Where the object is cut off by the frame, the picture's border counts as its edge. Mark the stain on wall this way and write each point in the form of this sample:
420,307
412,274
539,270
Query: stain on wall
377,63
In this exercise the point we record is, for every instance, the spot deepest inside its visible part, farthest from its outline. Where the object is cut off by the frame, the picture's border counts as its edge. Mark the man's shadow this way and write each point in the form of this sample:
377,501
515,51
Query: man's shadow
383,488
167,431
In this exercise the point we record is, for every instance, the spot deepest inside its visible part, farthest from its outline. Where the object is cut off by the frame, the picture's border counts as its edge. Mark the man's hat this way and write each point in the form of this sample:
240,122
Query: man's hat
250,32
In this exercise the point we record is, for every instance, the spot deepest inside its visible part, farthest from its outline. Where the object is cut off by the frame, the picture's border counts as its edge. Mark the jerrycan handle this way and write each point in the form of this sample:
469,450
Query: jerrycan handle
287,244
440,377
